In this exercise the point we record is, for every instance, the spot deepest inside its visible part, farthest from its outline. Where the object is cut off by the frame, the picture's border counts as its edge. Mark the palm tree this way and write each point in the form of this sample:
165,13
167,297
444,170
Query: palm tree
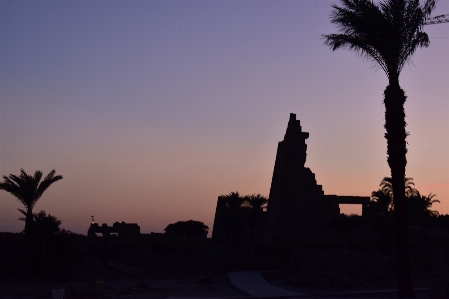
420,205
28,189
388,33
234,201
387,186
257,202
44,225
429,201
382,199
380,203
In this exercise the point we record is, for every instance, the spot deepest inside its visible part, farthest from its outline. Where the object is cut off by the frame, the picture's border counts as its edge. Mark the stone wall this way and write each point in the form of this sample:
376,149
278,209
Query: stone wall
297,204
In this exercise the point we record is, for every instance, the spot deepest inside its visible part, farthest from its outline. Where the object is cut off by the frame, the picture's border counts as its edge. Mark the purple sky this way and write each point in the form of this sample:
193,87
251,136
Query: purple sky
152,109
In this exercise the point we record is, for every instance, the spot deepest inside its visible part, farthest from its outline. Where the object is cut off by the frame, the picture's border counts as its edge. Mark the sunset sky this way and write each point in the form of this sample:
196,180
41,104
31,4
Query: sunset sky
152,109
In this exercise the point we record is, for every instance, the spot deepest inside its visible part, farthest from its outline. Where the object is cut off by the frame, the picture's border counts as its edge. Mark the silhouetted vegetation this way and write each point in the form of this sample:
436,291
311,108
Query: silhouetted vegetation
389,33
418,205
244,219
189,229
44,225
253,202
380,211
54,254
347,224
28,189
352,256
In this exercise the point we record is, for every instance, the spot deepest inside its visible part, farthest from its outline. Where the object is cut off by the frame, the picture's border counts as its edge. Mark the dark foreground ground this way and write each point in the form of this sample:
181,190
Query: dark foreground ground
219,286
156,266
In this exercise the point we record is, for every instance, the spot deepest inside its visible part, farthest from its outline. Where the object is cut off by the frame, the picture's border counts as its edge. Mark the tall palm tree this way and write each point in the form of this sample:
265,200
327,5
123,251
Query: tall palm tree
389,33
28,189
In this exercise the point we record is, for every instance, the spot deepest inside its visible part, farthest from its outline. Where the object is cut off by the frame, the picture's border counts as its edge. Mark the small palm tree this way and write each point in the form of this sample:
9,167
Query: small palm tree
382,199
257,202
28,189
384,196
380,203
44,225
234,200
429,201
387,186
421,204
389,33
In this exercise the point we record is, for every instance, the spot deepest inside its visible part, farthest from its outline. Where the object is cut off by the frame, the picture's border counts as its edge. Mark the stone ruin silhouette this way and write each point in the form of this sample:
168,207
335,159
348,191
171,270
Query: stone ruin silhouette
120,230
297,208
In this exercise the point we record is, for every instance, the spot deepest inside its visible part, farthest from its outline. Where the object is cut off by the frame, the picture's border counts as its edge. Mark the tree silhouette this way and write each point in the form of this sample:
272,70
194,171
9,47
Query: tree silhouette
44,225
189,229
419,207
245,218
234,201
387,186
381,203
382,199
347,224
427,202
28,189
388,33
256,202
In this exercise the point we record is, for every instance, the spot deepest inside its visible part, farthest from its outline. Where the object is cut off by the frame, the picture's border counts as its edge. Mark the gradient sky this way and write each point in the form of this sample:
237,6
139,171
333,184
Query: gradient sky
152,109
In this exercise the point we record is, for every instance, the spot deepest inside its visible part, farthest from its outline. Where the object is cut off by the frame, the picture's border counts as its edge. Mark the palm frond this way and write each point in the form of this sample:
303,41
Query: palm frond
48,180
388,33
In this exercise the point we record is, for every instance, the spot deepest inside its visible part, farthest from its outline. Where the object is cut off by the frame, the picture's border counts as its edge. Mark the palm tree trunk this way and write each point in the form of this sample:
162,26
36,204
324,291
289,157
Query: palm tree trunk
29,223
394,99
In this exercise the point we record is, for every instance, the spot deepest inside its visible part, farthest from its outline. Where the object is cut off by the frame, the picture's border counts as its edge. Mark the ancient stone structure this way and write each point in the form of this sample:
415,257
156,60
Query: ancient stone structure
297,206
121,230
220,228
351,200
296,203
298,210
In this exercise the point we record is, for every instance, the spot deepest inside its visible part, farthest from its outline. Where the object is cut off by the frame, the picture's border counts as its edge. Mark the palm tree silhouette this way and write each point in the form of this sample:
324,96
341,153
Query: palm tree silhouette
257,202
420,204
429,201
234,200
28,189
44,225
387,186
381,203
388,33
382,199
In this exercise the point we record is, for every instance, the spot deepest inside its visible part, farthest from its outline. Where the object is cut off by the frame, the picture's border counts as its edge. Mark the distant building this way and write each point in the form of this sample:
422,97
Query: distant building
121,230
297,207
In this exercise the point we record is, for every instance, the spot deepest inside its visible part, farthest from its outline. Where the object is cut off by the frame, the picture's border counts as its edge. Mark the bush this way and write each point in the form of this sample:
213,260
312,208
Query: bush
189,229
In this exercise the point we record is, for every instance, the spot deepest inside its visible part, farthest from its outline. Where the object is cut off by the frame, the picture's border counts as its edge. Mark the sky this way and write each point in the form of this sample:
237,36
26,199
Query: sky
152,109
